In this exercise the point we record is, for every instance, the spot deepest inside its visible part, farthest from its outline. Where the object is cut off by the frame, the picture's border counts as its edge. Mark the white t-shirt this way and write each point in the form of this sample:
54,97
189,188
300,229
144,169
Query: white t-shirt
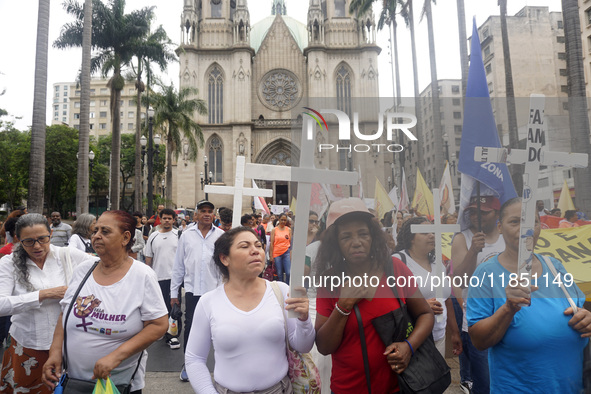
33,322
104,317
249,346
162,248
428,292
77,242
489,251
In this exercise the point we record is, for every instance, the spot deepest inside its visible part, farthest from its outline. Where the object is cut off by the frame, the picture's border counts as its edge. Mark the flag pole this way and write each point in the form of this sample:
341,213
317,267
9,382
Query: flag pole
478,206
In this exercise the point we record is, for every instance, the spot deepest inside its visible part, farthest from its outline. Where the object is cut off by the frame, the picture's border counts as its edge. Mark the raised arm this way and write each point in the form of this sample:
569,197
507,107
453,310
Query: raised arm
464,258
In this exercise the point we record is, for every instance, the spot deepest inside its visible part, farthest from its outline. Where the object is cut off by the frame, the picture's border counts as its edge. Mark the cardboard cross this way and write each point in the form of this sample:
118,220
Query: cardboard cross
238,190
533,156
305,176
438,229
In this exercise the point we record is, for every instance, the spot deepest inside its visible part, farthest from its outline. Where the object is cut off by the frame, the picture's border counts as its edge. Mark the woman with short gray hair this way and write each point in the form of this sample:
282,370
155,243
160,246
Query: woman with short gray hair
33,279
81,233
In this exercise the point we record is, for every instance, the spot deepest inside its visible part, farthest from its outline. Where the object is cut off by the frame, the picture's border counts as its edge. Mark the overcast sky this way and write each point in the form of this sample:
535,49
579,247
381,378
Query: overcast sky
18,28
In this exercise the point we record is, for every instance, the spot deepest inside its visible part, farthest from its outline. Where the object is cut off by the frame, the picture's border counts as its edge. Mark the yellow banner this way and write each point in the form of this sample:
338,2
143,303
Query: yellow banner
422,201
572,246
382,200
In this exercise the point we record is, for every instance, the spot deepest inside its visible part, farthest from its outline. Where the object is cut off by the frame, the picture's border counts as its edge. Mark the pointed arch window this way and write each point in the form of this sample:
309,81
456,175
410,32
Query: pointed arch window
214,150
344,89
216,8
215,96
339,8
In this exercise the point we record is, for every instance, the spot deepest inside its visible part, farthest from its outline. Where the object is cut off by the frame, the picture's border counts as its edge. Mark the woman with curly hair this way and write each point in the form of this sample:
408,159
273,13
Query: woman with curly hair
417,252
33,279
355,246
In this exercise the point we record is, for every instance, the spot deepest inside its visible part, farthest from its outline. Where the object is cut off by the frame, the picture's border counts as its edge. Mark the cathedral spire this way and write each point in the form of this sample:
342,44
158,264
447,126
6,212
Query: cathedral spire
278,7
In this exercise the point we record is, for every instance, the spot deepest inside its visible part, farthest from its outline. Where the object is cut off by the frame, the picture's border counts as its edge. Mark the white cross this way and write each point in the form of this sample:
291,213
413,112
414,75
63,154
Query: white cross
533,156
238,190
438,229
305,176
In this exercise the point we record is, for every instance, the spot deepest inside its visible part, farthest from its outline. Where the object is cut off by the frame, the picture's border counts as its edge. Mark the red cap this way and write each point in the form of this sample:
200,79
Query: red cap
487,203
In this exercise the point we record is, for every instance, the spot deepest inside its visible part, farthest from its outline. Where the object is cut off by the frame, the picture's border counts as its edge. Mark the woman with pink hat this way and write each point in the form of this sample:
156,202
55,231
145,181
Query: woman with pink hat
354,246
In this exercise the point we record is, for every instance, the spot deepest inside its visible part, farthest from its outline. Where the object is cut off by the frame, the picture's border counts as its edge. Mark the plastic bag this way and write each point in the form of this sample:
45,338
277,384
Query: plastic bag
173,328
105,387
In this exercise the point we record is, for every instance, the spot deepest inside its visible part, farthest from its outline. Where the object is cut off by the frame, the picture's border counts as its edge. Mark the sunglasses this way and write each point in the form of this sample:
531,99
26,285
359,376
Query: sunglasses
30,242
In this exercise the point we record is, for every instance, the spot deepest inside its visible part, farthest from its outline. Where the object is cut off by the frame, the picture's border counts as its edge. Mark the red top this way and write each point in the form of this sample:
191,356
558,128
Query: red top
6,249
348,372
157,221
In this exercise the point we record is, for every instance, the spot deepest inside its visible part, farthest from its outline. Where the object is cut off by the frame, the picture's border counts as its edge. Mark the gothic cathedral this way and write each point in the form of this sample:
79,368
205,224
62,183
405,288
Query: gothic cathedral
254,79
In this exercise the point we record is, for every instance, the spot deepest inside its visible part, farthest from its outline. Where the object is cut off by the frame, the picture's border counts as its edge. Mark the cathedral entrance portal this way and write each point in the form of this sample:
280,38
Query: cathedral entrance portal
279,153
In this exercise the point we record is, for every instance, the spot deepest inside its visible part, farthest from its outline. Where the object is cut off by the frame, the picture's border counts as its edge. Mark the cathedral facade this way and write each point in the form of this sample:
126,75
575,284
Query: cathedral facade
256,78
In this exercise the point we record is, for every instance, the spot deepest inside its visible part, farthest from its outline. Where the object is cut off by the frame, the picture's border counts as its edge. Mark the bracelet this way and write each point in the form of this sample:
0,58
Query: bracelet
342,311
410,346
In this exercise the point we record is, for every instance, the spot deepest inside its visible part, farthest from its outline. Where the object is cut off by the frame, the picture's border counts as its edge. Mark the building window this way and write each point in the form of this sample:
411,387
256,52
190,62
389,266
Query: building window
457,115
487,51
56,114
563,72
131,103
455,88
562,55
91,115
131,90
103,126
65,94
104,91
130,114
92,91
64,119
130,126
57,94
216,96
77,104
344,90
77,93
485,33
458,128
91,126
490,87
65,106
64,112
103,103
216,8
92,103
65,100
588,16
215,158
129,185
103,114
456,101
560,24
56,107
339,8
560,39
57,89
488,68
564,88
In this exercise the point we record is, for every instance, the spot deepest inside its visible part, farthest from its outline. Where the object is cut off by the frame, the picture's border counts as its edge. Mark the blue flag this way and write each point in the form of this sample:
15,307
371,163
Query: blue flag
480,129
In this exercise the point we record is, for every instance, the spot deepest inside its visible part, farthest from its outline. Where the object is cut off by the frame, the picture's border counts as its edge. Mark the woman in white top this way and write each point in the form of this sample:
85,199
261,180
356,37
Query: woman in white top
32,281
118,313
416,251
81,232
245,322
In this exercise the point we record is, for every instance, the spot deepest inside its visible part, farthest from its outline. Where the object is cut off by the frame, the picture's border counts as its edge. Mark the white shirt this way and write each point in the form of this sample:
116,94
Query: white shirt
428,292
249,346
33,322
193,262
162,248
489,251
112,315
77,242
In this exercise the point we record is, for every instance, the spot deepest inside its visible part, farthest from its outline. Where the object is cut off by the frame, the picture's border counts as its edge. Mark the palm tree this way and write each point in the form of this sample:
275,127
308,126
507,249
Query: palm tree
577,99
439,164
174,112
115,37
516,169
82,179
37,163
154,48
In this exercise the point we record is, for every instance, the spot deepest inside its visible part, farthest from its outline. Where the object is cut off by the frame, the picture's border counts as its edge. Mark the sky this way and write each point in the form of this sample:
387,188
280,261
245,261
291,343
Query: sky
18,29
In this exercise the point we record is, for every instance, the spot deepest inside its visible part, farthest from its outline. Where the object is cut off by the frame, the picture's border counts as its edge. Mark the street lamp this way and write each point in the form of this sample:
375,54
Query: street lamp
389,182
152,142
208,176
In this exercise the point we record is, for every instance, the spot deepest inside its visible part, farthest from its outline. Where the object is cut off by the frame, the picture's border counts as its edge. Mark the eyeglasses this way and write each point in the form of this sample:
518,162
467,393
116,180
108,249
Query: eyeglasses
30,242
311,221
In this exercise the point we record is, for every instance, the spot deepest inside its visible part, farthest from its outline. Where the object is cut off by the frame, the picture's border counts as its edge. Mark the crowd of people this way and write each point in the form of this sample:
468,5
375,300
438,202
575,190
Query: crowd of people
90,298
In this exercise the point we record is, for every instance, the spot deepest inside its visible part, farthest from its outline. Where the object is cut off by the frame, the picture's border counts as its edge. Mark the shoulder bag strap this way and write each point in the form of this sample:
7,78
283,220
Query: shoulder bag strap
279,297
555,273
65,360
363,348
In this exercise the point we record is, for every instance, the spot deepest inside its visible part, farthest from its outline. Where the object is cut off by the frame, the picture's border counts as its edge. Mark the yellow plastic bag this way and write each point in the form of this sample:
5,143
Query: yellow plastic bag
172,327
105,387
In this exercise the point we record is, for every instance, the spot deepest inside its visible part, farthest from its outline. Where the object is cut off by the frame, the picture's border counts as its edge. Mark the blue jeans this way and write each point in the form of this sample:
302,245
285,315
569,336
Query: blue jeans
465,375
478,361
283,264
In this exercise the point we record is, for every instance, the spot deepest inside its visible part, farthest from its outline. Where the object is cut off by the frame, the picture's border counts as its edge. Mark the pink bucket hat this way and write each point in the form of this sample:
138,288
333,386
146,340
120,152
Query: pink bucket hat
346,207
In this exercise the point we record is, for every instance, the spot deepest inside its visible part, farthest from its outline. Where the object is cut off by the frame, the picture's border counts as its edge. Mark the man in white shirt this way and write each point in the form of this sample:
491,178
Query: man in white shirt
160,251
194,267
60,232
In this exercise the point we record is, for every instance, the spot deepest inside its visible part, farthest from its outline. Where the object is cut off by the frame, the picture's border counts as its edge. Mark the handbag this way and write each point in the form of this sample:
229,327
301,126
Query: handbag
587,350
427,371
71,385
270,272
303,373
